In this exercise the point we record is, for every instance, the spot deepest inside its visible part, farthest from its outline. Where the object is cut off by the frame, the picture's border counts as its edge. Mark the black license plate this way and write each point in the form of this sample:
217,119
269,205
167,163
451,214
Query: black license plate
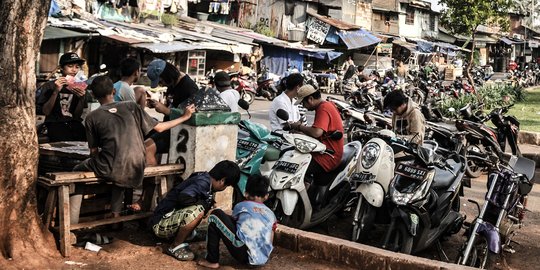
411,172
247,145
363,177
285,166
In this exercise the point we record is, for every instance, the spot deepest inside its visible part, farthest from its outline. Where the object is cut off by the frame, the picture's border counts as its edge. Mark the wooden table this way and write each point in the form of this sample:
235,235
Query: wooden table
61,184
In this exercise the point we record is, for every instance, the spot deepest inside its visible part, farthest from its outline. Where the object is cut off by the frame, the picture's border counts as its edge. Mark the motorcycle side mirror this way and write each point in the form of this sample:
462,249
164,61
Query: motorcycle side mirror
282,114
243,104
336,135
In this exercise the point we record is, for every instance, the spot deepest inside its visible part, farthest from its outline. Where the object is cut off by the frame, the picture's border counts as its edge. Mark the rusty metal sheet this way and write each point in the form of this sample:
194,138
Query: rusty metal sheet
341,25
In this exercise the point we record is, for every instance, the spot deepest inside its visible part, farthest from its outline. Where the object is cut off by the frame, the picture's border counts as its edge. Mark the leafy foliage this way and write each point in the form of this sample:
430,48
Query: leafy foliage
493,95
464,16
263,29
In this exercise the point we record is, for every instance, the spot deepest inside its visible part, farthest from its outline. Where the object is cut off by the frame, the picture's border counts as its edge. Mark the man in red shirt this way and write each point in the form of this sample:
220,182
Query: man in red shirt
327,120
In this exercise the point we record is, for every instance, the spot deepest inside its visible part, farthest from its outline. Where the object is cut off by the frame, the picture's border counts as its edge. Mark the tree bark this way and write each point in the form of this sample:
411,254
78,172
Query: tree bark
24,242
471,59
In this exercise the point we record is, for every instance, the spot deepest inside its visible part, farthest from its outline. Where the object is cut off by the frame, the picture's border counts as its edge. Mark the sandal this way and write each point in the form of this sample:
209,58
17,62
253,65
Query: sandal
181,252
94,238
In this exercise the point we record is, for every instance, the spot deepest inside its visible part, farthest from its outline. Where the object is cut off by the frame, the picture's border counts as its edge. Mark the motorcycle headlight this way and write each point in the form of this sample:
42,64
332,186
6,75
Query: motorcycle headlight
370,153
304,146
406,198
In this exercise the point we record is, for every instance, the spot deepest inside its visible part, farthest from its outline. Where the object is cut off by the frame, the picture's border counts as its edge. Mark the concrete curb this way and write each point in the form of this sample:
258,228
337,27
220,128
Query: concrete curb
528,137
356,255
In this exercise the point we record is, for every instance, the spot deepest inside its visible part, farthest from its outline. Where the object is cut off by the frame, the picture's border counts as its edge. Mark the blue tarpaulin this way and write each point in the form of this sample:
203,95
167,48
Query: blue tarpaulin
277,59
325,55
332,36
358,38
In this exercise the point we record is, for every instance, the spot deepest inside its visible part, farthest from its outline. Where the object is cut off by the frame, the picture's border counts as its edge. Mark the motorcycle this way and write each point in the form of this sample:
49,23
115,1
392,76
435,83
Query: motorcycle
502,213
371,181
485,145
265,86
424,197
256,152
298,205
245,85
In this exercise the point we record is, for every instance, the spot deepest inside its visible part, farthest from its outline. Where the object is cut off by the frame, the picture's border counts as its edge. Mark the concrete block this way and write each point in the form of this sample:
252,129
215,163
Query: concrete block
199,148
319,246
362,257
287,237
527,137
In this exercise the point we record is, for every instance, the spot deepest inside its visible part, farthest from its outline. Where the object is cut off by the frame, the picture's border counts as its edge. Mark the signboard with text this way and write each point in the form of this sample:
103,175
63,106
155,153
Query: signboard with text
317,31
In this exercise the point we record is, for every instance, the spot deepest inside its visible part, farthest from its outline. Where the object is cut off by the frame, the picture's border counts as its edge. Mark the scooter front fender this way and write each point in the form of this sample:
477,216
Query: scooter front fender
288,199
373,193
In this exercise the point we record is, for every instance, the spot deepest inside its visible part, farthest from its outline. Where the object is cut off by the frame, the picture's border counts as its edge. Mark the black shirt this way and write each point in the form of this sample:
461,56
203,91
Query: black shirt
118,129
185,88
64,106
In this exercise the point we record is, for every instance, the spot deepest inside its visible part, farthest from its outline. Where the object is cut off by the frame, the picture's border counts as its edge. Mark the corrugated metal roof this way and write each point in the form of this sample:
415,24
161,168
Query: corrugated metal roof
334,22
60,33
175,46
358,39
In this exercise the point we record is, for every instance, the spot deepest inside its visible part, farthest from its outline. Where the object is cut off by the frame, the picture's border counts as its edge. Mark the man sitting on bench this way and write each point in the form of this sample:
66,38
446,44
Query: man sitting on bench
115,134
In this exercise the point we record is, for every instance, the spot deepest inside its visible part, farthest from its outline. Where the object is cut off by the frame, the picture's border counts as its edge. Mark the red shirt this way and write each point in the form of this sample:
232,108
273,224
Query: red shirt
328,119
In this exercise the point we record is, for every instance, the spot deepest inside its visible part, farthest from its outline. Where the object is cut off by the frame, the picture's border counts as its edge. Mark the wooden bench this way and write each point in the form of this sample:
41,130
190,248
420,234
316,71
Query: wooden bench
61,184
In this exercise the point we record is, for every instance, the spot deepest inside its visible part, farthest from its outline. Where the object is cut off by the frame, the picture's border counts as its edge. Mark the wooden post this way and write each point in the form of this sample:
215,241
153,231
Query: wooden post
49,207
65,220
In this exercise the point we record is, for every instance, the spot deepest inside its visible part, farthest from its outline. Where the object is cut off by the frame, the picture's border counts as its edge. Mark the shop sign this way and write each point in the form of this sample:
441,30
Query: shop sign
317,31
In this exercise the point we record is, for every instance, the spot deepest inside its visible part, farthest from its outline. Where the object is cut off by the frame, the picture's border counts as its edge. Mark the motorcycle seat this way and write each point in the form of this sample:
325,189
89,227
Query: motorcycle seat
349,150
444,178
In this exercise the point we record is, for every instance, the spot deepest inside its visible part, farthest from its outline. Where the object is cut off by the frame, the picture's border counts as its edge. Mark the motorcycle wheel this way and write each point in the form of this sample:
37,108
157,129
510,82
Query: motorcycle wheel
402,240
248,96
480,256
271,96
472,169
365,214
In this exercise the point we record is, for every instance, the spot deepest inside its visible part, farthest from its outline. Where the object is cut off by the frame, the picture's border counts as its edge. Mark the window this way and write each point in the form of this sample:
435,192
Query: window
409,18
432,22
196,63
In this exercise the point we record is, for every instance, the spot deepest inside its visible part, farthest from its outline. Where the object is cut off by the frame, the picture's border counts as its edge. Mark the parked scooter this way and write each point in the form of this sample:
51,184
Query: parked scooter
502,213
301,206
371,181
425,198
486,145
265,86
256,152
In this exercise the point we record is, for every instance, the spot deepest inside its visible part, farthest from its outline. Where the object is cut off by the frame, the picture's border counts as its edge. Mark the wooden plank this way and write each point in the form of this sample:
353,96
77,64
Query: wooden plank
76,177
96,223
63,207
49,207
162,187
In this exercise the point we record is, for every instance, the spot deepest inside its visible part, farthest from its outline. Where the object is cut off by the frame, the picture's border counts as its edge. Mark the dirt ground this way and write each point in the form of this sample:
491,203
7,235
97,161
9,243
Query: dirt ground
134,248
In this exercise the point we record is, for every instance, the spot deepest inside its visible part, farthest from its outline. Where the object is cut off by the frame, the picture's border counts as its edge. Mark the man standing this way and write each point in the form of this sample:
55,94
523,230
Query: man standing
407,119
131,72
222,81
180,87
285,101
327,121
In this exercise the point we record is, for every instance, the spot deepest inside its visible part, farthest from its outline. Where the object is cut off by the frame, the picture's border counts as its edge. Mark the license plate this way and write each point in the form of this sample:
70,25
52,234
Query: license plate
363,177
247,145
285,166
411,172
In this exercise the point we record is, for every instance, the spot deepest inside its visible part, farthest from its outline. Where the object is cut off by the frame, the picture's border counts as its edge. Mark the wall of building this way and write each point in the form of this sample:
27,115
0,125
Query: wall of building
385,22
356,12
425,24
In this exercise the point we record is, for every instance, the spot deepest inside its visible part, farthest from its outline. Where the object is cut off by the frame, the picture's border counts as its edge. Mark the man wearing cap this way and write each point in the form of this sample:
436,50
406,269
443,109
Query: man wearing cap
222,81
327,120
285,101
180,87
62,102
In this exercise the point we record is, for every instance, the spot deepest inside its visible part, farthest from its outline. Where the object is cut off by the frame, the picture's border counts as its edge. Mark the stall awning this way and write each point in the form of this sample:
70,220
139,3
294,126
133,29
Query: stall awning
325,54
358,38
60,33
508,41
175,46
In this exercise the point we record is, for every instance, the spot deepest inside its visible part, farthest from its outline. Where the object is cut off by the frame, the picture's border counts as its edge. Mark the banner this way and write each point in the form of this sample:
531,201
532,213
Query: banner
317,31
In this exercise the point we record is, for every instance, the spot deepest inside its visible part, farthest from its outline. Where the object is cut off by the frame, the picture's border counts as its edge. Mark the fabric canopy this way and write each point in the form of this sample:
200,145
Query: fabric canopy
327,55
358,38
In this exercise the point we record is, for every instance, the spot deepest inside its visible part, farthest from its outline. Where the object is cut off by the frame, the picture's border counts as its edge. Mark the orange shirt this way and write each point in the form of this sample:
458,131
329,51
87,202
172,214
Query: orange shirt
328,119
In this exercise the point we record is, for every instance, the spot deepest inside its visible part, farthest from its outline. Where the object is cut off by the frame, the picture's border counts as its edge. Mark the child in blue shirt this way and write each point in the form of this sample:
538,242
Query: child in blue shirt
248,233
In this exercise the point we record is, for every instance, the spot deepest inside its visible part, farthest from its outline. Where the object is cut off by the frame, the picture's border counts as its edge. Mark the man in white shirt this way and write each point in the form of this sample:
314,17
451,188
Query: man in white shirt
286,101
222,81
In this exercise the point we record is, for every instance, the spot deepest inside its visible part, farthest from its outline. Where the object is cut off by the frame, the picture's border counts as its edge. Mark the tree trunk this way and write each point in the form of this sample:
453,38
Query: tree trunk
23,240
471,59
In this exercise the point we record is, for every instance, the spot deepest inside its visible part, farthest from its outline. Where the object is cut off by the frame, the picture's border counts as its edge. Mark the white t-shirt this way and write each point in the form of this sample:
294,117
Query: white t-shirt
282,102
231,97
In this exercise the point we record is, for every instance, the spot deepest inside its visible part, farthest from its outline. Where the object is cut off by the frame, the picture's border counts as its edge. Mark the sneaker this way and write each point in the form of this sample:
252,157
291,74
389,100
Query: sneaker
181,252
